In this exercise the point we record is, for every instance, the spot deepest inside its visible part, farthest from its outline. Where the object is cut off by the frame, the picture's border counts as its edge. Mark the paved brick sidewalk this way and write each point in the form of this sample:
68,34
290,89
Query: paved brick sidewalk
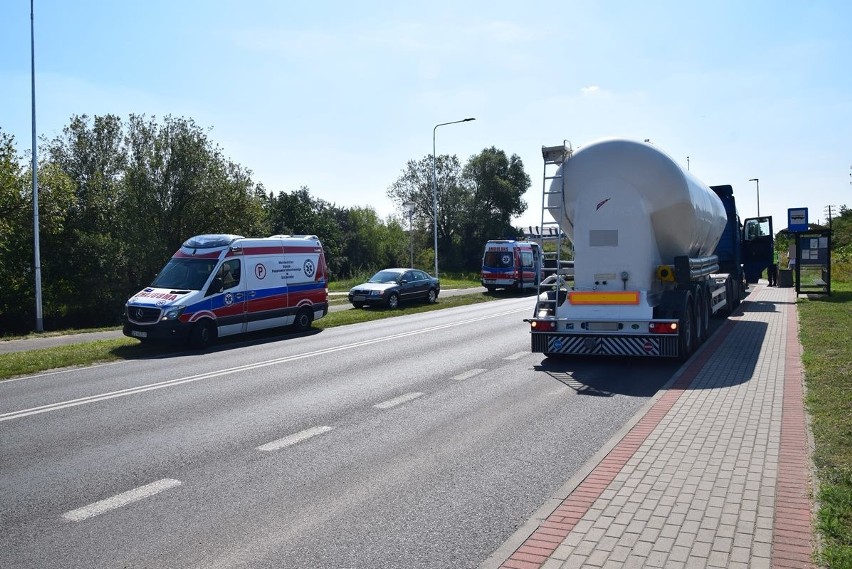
714,474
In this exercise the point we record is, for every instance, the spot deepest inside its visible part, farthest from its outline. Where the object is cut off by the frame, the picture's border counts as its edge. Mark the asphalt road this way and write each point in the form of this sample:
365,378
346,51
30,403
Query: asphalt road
422,441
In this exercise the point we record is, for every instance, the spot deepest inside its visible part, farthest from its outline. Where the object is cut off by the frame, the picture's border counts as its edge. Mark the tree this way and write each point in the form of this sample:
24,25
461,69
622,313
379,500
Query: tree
85,265
298,213
497,185
179,184
415,185
475,204
17,270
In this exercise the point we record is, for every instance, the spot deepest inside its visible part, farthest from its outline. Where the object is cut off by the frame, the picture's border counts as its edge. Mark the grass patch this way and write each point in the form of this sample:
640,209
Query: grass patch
825,323
34,361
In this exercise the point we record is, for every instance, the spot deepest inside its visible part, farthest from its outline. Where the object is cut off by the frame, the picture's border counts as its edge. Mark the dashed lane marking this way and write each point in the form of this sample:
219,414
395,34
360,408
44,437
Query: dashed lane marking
468,374
120,500
290,440
398,400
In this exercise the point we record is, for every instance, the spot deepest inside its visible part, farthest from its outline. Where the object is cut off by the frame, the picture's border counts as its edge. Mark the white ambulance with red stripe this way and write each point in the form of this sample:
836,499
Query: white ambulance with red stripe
219,285
510,264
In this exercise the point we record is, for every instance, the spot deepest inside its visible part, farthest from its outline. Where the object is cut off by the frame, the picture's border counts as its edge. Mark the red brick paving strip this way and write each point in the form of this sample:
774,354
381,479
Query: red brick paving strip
538,547
792,543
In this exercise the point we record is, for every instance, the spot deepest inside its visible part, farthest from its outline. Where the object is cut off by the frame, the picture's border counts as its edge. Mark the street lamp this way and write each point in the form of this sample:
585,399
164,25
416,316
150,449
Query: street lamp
757,181
36,245
409,211
435,187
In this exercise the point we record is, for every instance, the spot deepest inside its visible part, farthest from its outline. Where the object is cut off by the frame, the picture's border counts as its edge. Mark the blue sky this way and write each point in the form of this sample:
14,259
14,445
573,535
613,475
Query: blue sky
338,96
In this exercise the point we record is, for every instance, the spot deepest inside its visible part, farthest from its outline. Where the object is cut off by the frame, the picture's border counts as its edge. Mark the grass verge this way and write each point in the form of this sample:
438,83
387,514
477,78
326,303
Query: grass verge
827,358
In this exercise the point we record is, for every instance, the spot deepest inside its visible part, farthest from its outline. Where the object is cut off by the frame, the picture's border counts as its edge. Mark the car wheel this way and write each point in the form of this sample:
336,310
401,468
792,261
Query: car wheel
432,296
304,318
202,335
393,300
358,304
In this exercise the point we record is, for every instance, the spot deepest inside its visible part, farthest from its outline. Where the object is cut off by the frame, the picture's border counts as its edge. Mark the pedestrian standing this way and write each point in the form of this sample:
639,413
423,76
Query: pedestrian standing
772,272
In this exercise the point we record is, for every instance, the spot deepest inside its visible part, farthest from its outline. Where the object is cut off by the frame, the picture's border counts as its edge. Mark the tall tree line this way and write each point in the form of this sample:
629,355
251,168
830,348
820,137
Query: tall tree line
118,197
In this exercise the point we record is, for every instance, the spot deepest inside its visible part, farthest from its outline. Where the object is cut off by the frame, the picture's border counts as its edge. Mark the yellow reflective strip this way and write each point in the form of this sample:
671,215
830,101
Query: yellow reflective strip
595,297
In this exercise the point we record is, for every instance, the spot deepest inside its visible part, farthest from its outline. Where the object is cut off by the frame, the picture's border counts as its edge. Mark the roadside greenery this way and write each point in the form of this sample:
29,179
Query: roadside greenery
825,323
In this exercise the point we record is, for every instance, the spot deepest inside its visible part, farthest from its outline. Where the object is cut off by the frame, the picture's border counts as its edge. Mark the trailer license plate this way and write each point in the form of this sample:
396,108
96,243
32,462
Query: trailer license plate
138,334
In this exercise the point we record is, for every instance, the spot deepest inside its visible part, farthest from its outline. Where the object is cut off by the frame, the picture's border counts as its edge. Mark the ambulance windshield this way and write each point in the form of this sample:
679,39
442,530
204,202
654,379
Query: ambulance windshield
185,274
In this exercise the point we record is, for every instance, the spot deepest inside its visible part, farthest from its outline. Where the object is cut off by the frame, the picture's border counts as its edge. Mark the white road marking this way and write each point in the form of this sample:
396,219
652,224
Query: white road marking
468,374
219,373
120,500
398,400
517,356
290,440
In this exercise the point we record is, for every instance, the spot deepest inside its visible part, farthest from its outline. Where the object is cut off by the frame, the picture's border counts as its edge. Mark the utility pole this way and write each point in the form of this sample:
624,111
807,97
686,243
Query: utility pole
829,211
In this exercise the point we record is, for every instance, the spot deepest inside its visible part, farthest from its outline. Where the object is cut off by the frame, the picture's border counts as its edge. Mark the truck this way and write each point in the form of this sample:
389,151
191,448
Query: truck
217,285
510,264
657,253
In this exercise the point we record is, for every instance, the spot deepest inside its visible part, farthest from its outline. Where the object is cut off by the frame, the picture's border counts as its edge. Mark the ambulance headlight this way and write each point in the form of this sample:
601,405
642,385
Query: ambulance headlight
172,313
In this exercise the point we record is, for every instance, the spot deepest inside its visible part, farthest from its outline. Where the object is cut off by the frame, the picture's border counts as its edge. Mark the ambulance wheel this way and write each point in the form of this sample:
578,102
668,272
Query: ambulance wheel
432,297
393,301
304,318
202,335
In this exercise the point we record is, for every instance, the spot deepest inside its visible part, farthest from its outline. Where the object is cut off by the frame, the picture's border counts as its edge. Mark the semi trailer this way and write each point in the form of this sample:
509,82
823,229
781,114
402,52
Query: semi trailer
657,253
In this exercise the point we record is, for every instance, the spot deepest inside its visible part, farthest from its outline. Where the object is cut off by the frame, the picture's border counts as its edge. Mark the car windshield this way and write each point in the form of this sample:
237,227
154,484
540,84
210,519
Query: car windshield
385,277
185,274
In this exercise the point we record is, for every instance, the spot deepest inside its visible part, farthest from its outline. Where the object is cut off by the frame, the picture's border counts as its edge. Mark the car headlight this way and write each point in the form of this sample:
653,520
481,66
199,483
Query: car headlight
375,293
172,313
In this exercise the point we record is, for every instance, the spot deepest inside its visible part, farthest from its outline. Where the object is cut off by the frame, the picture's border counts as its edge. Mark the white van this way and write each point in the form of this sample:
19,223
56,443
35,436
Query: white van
219,285
510,264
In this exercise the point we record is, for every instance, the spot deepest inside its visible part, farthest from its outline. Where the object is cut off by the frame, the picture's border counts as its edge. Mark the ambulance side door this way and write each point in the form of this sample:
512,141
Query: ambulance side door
229,298
267,292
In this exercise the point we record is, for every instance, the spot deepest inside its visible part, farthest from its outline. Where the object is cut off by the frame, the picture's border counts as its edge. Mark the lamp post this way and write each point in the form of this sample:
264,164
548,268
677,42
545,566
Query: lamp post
435,187
409,211
37,254
757,182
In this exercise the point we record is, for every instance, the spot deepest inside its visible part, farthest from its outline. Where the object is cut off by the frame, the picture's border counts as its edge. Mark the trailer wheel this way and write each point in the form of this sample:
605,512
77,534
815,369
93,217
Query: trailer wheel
729,297
202,335
304,318
702,315
686,333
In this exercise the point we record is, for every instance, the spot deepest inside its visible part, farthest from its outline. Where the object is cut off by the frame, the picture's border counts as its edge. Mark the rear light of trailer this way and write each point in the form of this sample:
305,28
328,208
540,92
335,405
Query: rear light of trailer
542,325
662,327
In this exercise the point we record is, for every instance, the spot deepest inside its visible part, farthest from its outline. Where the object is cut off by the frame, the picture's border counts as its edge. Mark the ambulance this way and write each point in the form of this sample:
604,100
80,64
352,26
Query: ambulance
510,264
219,285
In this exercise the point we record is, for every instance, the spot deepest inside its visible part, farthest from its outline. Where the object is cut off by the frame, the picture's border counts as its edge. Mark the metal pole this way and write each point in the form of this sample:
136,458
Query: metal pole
37,260
410,239
757,182
435,188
